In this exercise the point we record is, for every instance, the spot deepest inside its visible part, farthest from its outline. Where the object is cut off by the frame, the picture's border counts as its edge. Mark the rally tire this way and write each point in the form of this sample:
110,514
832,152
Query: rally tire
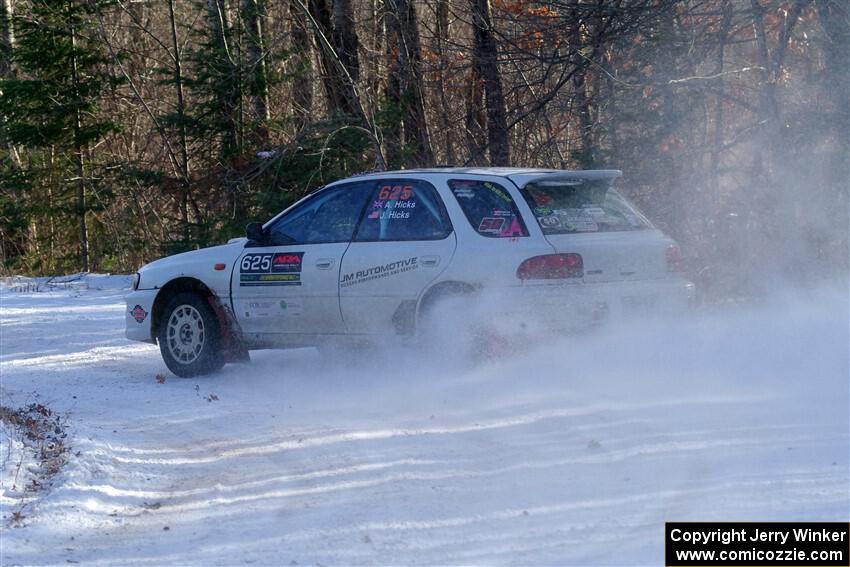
472,338
189,336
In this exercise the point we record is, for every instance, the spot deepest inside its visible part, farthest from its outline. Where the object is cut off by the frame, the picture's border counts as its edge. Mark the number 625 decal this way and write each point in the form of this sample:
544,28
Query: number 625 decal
395,193
271,262
256,264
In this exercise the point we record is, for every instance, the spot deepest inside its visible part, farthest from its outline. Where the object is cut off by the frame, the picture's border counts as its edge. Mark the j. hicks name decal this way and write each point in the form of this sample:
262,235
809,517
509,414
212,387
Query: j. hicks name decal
275,268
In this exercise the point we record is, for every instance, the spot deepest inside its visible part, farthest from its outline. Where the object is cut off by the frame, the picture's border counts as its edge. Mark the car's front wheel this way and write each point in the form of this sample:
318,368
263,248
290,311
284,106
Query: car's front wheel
189,336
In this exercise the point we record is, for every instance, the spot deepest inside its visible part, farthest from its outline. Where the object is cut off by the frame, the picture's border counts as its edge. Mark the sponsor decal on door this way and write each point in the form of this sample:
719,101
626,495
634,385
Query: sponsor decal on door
271,268
378,272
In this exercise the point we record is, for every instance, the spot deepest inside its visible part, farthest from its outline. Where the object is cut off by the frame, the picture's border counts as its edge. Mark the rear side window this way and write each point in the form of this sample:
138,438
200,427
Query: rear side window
489,208
581,205
405,209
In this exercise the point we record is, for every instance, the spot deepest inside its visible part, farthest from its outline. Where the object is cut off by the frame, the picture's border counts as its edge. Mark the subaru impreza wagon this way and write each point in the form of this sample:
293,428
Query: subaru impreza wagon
373,255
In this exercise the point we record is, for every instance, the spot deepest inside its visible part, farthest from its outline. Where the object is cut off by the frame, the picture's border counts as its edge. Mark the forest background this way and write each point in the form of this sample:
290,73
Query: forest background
132,129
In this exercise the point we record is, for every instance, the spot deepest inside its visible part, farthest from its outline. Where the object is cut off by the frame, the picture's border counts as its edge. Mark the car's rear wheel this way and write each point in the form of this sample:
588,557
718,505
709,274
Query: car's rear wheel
189,336
449,324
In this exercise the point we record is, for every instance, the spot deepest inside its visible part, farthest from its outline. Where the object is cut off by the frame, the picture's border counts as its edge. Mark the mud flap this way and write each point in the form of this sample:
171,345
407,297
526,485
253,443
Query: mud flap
233,347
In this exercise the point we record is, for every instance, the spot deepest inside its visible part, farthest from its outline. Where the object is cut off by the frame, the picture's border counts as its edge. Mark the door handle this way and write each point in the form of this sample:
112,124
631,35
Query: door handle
430,260
325,263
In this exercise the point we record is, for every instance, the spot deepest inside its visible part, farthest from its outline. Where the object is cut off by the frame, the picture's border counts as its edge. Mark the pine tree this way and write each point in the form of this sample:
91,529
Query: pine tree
51,108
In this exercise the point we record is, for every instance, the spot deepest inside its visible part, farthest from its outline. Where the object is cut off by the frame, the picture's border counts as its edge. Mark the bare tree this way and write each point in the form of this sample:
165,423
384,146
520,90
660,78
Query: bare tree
404,85
7,37
7,44
345,37
252,11
336,74
301,64
486,64
229,94
340,87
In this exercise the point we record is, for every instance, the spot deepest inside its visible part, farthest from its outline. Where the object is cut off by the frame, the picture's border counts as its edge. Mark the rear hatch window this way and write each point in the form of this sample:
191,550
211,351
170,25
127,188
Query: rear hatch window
581,205
489,208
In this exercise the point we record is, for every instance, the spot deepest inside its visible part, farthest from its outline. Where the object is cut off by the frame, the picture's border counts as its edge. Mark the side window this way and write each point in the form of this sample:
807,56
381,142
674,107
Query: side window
404,209
328,216
489,208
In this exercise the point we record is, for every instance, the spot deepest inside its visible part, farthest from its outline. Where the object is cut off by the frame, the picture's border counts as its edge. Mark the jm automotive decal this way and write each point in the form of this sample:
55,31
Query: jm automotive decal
377,272
276,268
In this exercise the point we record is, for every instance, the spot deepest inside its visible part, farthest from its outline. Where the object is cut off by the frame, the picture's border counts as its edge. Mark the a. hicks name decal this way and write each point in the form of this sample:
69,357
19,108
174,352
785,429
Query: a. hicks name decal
378,272
274,268
394,202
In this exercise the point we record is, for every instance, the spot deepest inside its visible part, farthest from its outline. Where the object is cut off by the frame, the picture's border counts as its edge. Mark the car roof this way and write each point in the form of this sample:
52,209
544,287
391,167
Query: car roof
495,171
519,175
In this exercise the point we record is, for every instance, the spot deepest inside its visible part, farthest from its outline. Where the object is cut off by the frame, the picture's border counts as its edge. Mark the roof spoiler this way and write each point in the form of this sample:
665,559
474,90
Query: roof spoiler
555,176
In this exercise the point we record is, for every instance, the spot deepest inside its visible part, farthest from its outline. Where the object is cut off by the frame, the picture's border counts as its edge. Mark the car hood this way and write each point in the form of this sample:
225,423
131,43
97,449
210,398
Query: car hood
197,264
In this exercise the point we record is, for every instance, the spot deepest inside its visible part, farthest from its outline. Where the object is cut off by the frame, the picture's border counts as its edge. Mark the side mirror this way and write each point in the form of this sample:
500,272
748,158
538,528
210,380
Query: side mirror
254,231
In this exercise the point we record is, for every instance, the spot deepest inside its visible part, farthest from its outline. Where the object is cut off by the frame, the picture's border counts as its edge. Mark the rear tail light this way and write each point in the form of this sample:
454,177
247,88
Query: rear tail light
675,262
551,267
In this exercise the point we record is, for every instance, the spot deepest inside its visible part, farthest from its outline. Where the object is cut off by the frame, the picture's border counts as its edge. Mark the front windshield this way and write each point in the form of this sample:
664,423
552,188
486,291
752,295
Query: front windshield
581,205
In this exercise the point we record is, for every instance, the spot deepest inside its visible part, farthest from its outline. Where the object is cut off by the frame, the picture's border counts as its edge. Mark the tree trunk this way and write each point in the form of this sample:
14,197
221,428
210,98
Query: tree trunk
772,69
338,87
585,121
487,57
717,144
252,11
181,113
345,37
476,118
405,82
392,91
7,37
79,161
442,40
833,19
339,84
229,98
7,44
302,83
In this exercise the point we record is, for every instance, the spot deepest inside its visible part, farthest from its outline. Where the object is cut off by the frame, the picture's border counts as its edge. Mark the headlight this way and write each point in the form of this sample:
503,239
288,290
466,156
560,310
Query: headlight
136,279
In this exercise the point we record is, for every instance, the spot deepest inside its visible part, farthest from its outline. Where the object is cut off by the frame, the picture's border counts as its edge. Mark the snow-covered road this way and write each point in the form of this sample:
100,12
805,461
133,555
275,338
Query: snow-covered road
574,453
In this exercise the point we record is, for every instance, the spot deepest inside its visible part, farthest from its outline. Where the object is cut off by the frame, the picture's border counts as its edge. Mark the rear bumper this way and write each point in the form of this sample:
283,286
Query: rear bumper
138,315
576,307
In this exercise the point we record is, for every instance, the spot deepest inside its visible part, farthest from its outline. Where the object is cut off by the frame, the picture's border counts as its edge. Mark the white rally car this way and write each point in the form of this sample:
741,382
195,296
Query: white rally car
372,255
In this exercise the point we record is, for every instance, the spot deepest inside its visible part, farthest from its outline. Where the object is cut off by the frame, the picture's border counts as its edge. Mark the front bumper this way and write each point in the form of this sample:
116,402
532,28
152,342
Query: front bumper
138,315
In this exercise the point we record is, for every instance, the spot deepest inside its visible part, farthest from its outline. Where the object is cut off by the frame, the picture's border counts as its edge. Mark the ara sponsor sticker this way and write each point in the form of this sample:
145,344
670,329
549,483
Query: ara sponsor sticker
138,313
271,268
